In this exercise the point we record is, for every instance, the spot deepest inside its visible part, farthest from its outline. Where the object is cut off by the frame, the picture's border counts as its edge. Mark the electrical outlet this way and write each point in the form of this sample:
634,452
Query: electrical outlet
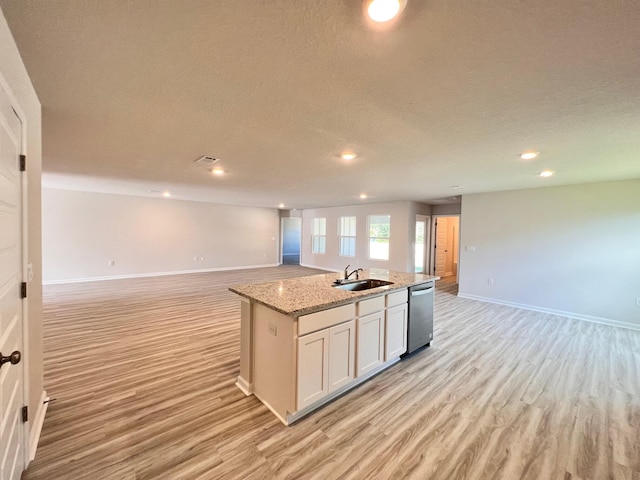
489,281
202,259
273,330
195,259
112,263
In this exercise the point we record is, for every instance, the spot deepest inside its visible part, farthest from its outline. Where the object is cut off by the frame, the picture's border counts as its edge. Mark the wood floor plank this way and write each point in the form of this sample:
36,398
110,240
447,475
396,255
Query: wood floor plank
143,374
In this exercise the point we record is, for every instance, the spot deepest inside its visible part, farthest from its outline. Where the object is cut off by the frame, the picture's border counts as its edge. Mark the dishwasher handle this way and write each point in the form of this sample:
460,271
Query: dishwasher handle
417,293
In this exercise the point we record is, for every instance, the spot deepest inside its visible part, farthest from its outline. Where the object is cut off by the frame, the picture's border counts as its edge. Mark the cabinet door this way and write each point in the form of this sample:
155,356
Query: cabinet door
370,344
313,368
342,355
396,332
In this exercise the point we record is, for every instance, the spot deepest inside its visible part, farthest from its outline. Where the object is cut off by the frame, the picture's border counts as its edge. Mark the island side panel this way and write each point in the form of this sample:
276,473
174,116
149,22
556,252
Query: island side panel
245,380
274,360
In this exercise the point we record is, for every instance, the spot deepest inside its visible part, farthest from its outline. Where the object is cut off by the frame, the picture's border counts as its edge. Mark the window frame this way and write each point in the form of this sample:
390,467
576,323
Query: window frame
370,238
320,238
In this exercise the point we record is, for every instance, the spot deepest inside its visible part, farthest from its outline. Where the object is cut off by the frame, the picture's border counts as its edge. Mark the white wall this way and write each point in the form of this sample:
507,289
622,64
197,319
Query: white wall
403,231
572,249
83,231
15,75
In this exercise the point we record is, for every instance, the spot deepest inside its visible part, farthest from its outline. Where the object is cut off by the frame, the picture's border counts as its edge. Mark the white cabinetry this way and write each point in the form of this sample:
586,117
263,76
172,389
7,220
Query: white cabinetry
395,332
370,342
396,324
313,367
342,355
326,358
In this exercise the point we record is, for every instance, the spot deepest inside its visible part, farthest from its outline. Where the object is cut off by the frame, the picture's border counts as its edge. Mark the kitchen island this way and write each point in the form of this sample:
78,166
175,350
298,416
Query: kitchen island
305,341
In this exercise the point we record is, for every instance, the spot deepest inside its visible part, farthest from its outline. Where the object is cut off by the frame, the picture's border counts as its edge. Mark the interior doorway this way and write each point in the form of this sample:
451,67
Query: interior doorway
446,246
420,249
291,237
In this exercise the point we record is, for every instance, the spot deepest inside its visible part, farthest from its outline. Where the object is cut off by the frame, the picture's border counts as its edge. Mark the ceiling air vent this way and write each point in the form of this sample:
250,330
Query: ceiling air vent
207,161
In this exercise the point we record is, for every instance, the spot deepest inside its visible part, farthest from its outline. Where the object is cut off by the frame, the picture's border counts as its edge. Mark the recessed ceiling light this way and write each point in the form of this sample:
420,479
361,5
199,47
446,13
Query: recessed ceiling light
546,173
456,187
281,205
384,10
529,155
348,155
166,194
218,171
363,195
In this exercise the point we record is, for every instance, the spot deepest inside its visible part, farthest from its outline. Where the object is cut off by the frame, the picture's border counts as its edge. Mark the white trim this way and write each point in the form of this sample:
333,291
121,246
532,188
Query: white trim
576,316
155,274
38,422
246,387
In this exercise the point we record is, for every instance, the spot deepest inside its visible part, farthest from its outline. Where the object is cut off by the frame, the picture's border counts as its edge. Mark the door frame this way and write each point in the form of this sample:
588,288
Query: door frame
432,256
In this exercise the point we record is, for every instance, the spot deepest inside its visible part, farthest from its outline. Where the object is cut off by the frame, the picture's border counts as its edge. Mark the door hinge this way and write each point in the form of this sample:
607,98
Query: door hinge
23,163
23,290
25,414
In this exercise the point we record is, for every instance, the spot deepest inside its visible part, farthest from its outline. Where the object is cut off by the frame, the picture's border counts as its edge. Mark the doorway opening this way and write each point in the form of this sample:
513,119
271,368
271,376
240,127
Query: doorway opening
420,249
291,237
446,247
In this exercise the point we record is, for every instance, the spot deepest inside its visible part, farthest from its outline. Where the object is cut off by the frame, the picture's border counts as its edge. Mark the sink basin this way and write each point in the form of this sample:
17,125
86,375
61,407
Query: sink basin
358,285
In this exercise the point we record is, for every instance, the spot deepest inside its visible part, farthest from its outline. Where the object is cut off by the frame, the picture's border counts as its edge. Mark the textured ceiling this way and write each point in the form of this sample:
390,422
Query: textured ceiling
134,91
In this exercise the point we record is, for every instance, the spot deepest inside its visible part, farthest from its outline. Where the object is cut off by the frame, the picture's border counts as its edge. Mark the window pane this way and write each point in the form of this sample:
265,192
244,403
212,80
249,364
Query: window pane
318,244
352,246
319,226
347,226
347,246
379,226
379,248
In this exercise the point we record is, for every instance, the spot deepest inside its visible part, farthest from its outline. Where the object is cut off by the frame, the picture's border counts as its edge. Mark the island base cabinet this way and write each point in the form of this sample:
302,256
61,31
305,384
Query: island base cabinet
370,344
326,362
342,355
396,332
313,368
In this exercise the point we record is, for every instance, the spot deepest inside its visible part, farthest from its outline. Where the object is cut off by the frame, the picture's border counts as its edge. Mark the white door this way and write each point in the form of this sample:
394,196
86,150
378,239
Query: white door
342,355
12,458
440,246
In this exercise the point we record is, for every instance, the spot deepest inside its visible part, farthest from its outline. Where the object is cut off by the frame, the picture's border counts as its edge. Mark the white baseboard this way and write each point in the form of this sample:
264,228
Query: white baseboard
246,387
38,422
154,274
577,316
326,269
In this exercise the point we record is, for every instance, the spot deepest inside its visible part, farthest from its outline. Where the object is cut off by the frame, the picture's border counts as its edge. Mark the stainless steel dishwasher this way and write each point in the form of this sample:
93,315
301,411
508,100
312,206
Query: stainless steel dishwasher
420,320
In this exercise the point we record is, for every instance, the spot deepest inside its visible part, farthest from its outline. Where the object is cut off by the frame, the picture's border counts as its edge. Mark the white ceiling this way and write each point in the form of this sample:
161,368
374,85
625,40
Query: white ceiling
133,92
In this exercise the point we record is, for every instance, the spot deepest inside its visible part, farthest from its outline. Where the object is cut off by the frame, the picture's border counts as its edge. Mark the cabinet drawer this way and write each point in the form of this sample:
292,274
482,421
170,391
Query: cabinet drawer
325,318
370,305
397,298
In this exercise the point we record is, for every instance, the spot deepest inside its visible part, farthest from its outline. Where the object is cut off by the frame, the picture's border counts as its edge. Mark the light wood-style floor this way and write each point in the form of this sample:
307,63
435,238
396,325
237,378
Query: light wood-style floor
143,375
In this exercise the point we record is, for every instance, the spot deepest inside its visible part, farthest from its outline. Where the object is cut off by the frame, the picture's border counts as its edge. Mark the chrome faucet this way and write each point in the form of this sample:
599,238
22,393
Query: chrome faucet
347,274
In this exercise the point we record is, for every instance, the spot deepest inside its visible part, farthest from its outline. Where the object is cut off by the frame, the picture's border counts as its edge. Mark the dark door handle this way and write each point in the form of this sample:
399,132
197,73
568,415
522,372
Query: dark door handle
12,359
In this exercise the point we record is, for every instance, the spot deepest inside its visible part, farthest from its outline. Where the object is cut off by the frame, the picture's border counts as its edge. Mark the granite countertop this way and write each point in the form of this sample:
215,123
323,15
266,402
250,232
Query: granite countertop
303,295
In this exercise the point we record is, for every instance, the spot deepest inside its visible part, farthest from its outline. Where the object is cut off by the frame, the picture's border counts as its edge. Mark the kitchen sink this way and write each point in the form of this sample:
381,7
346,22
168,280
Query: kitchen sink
358,285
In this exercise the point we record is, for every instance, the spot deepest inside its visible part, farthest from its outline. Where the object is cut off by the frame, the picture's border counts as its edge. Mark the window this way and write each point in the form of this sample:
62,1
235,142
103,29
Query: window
379,229
319,235
347,236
